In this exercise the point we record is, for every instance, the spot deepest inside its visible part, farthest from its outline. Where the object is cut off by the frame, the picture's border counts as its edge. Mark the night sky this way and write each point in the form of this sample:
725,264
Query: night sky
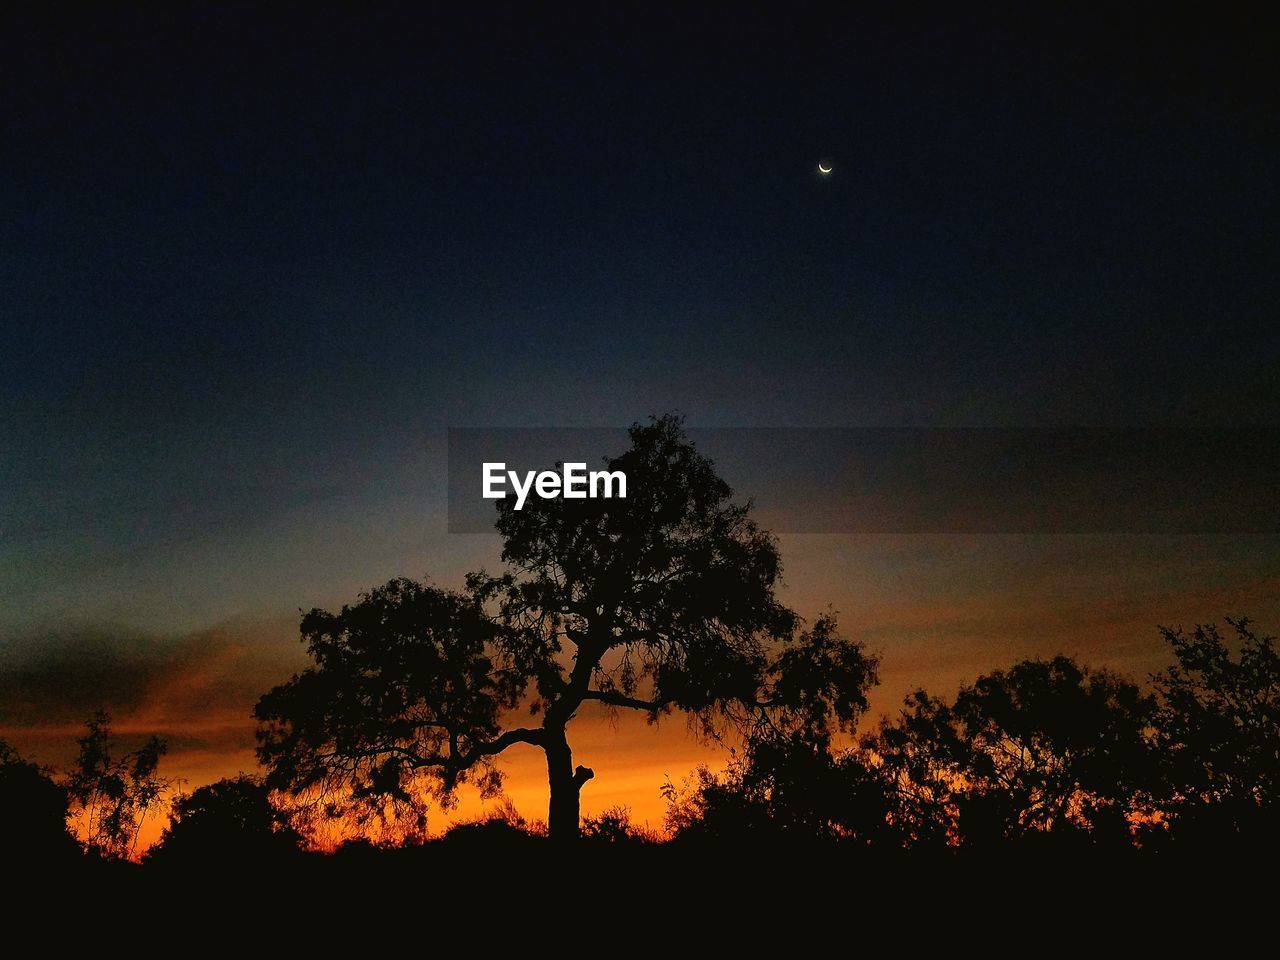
252,269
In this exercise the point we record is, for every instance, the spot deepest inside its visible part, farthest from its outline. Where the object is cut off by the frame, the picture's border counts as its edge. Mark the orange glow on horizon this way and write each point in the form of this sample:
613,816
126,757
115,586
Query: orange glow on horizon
201,700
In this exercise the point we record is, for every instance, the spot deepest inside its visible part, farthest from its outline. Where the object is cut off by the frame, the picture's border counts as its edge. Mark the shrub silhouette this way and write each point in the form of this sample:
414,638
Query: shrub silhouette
230,821
614,826
34,809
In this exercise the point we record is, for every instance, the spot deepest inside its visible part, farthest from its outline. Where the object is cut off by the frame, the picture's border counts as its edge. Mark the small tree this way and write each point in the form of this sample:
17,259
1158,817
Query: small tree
1219,725
783,789
1046,745
663,600
230,820
112,796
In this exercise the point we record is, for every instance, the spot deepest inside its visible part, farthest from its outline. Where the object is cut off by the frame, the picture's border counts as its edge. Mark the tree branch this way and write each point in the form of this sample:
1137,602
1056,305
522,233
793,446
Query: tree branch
619,700
531,735
452,761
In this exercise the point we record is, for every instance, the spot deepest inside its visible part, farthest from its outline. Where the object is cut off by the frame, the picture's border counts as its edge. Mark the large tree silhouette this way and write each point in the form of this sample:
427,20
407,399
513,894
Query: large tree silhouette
663,600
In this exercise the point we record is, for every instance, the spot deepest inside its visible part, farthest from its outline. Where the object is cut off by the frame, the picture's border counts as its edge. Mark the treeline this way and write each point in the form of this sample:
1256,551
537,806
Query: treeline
1044,755
1046,752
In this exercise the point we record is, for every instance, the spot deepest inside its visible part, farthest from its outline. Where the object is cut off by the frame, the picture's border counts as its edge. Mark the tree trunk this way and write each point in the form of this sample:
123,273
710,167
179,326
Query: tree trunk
566,784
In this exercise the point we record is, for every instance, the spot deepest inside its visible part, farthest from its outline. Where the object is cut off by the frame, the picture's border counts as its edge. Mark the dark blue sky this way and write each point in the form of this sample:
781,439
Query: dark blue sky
251,268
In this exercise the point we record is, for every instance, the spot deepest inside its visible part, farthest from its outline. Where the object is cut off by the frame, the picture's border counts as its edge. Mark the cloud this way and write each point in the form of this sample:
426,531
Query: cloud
196,690
60,676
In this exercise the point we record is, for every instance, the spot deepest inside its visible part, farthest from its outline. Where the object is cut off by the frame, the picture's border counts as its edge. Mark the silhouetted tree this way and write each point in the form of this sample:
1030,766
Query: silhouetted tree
662,600
783,789
788,782
33,811
230,820
1219,726
915,757
111,795
1046,745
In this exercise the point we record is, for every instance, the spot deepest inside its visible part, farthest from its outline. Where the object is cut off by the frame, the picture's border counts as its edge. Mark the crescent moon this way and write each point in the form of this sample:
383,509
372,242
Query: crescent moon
822,169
